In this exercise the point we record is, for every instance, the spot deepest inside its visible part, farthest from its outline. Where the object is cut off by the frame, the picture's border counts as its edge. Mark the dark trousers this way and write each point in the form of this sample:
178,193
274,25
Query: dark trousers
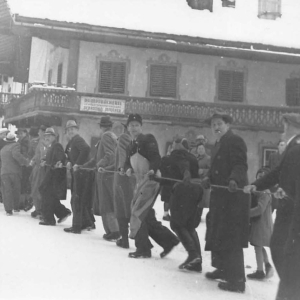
231,262
189,239
11,191
52,206
280,232
123,227
150,227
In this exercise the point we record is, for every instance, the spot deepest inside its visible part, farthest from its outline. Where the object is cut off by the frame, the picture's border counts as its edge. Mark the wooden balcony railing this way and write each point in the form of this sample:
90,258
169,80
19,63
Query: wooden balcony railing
250,117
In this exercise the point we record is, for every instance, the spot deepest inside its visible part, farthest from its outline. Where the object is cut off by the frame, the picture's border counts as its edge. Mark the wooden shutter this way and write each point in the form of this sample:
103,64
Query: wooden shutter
112,77
292,92
50,76
269,9
231,86
163,81
59,74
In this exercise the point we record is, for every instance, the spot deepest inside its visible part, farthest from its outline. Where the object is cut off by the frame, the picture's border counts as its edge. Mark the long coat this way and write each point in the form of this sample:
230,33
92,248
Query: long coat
262,223
38,173
55,180
228,221
105,158
287,175
123,185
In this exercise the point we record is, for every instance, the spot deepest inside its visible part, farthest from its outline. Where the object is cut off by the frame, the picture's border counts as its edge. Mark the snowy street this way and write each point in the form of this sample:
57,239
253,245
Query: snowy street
41,262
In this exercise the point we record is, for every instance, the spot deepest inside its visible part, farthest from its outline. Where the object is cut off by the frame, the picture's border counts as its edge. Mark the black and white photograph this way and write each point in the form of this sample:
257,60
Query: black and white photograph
149,149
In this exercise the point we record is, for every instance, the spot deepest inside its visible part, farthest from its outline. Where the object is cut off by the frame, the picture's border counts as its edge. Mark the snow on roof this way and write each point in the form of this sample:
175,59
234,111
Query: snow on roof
173,17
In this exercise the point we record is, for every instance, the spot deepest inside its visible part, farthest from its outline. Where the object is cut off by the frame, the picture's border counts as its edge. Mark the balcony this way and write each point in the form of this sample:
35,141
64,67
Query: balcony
7,97
56,103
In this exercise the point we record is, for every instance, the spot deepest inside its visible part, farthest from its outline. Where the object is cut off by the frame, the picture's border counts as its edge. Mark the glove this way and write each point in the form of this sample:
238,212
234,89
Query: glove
205,183
186,177
129,172
232,187
248,189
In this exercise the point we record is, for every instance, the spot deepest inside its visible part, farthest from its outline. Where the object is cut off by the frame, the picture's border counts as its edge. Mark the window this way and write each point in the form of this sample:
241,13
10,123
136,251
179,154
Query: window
269,9
230,86
59,74
292,91
163,81
112,77
50,76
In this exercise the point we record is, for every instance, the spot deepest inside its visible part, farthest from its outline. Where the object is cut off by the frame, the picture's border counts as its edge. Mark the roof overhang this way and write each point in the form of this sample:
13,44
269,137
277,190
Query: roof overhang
54,30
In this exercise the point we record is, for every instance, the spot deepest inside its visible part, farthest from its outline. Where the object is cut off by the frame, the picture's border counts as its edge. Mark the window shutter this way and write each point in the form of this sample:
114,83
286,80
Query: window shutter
112,77
50,76
59,74
269,9
292,91
163,81
231,86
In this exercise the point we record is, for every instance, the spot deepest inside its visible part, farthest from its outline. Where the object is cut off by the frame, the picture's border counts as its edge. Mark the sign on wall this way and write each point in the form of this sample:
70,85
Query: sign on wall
102,105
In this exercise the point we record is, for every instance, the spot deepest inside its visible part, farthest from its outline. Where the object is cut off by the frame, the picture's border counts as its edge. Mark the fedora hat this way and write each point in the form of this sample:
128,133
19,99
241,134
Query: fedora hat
134,117
105,121
3,130
50,131
219,114
71,123
11,137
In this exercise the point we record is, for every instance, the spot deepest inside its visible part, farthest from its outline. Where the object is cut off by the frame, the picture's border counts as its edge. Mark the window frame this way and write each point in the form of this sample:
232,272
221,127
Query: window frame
268,15
231,67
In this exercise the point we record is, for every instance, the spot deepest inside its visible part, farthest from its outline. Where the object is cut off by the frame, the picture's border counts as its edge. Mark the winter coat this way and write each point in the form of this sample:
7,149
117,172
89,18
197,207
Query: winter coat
32,147
55,180
287,175
12,160
104,157
78,150
228,220
38,173
24,143
184,199
203,164
261,221
123,185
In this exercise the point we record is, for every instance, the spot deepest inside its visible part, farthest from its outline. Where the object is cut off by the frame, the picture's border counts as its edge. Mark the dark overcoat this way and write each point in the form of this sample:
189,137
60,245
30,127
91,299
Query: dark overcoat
184,199
78,150
55,180
287,175
123,185
228,221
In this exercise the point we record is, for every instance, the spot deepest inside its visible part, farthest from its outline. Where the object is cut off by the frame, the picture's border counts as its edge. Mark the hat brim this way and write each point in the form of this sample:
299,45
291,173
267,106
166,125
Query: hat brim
226,118
71,126
108,124
49,133
9,141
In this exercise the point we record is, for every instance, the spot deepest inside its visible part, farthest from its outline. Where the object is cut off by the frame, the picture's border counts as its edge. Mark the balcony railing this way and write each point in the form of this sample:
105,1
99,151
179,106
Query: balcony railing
250,117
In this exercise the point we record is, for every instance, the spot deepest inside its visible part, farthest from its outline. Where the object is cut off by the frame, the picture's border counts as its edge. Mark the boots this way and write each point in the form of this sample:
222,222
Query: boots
123,243
194,265
238,287
216,274
257,275
269,270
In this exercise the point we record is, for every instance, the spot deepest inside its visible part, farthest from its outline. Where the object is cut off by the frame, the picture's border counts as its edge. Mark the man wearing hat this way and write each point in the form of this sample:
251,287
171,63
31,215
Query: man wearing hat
78,151
287,175
144,161
228,218
53,188
11,170
123,188
38,173
104,159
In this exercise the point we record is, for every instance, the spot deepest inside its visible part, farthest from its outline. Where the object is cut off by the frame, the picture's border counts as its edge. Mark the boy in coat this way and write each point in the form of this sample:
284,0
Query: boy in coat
228,218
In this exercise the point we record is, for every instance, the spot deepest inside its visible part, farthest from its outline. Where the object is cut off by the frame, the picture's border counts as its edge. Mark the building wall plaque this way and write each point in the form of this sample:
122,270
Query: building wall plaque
102,105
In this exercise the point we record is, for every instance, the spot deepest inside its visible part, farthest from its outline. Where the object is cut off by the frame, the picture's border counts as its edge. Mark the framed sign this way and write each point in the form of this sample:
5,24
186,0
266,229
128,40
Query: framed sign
102,105
267,151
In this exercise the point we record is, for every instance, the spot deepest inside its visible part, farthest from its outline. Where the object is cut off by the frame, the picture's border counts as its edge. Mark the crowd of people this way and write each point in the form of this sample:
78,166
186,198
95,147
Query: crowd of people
122,180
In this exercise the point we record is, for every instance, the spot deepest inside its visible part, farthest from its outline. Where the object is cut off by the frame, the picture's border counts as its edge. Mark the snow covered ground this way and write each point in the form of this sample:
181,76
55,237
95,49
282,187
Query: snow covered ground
39,262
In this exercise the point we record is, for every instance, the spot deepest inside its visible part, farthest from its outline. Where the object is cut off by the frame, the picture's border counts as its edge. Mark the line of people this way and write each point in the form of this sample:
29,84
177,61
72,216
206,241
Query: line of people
121,183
